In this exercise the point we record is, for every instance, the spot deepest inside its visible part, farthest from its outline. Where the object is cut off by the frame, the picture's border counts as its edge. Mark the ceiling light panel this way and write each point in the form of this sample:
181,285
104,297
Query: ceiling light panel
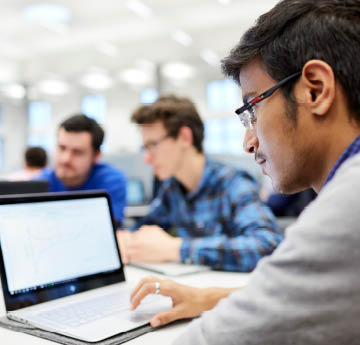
135,76
182,37
210,57
52,16
47,13
14,91
108,49
139,8
53,87
178,71
97,80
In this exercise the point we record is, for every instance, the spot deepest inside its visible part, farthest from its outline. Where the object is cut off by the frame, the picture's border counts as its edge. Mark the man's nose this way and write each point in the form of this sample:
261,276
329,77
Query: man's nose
251,141
147,156
65,156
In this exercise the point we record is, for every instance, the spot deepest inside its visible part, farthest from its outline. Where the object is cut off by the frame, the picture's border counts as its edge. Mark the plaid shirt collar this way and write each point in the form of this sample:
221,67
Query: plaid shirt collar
350,151
207,172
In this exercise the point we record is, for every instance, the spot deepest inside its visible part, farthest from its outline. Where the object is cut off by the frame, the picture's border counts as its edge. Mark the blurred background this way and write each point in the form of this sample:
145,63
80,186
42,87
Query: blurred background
104,58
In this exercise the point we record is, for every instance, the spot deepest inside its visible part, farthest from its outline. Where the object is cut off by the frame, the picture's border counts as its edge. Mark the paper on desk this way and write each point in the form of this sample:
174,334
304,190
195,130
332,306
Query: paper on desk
172,269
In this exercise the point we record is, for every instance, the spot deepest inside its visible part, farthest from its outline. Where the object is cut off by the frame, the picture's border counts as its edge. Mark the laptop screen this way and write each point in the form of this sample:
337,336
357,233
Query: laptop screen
57,245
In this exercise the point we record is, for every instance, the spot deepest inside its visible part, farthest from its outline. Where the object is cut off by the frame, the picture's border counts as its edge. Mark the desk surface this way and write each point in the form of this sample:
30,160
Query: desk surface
162,336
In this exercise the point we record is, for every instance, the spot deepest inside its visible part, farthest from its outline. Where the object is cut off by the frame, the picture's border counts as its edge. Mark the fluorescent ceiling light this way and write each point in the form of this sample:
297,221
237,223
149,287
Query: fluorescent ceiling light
139,8
210,57
182,37
108,49
179,83
225,2
51,16
97,80
54,87
16,91
178,71
9,71
135,76
47,13
145,65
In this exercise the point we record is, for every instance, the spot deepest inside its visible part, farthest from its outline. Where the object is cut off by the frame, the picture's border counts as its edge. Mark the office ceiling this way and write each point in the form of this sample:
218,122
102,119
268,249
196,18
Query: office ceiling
113,36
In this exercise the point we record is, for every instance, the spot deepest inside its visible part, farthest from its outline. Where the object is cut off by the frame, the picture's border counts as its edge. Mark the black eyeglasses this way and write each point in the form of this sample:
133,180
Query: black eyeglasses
247,113
153,145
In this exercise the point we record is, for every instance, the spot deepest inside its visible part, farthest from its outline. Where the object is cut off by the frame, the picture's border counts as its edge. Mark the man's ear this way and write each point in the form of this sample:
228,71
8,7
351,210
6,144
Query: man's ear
186,135
97,156
318,83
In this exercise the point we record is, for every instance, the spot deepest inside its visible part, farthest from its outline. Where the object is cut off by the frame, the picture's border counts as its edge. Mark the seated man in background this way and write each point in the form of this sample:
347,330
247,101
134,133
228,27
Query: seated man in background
213,209
77,164
35,160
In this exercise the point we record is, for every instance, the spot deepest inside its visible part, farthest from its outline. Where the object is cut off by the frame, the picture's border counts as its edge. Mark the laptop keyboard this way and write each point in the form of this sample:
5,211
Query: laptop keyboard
81,313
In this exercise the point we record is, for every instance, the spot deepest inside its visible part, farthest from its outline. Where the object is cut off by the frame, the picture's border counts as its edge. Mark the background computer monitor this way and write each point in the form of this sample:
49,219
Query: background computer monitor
135,192
23,187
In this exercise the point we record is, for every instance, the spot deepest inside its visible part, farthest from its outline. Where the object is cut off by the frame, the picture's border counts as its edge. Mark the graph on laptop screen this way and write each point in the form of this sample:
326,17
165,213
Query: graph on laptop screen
56,242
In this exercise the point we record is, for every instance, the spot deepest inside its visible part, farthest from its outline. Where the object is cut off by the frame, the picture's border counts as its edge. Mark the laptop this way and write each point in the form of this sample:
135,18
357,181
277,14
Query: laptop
23,187
61,269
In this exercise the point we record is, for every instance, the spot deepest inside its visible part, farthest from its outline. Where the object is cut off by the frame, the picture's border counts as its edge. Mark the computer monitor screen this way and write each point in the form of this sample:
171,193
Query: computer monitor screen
135,192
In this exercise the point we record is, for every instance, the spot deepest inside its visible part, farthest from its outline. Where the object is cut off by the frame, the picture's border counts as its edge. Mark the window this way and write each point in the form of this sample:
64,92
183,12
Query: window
1,116
94,106
1,153
148,96
39,113
44,140
222,95
224,136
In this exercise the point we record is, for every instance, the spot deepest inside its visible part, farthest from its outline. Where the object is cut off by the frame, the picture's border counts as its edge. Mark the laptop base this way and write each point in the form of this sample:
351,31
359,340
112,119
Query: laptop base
61,339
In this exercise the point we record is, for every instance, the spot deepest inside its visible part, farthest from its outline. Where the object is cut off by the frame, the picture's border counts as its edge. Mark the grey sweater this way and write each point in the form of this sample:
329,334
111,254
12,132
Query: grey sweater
308,291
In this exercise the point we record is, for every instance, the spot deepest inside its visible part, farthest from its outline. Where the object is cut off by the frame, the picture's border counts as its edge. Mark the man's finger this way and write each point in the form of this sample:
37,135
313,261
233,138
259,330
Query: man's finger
141,283
166,317
146,289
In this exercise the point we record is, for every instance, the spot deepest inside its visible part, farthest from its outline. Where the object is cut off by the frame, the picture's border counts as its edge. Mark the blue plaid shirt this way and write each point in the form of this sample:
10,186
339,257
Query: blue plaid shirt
223,223
351,150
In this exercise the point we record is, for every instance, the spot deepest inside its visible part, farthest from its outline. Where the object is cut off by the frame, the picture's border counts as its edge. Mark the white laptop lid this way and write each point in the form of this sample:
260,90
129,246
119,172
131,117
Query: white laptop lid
56,245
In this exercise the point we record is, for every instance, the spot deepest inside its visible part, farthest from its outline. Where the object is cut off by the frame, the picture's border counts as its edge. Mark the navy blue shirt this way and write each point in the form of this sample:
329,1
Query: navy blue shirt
102,176
350,151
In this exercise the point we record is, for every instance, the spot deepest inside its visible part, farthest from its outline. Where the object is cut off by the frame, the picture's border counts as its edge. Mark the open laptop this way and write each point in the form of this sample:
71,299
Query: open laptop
23,187
61,268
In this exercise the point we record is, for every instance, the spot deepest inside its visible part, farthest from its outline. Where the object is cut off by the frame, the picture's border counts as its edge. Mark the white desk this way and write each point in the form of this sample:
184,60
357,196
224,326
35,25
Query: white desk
162,336
136,211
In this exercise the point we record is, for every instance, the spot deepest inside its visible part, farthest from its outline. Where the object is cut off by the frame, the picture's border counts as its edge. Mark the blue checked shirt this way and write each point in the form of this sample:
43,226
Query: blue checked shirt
223,223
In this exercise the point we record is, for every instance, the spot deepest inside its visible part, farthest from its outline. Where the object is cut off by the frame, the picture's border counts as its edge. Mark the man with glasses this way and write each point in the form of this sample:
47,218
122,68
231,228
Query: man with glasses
304,132
213,209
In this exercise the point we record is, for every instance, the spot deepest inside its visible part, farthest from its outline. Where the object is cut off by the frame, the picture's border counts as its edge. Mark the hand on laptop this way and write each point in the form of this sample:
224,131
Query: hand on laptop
188,302
148,244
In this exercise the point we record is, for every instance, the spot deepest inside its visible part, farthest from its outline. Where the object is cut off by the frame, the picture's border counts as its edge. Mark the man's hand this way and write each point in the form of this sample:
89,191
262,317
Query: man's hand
124,239
152,244
187,301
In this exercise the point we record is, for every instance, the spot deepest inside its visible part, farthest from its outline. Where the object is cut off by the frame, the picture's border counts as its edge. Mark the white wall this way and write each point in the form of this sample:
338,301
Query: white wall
13,131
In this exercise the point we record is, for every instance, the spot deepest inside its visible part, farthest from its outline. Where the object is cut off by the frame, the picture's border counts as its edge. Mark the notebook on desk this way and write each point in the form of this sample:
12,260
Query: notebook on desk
171,269
61,268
